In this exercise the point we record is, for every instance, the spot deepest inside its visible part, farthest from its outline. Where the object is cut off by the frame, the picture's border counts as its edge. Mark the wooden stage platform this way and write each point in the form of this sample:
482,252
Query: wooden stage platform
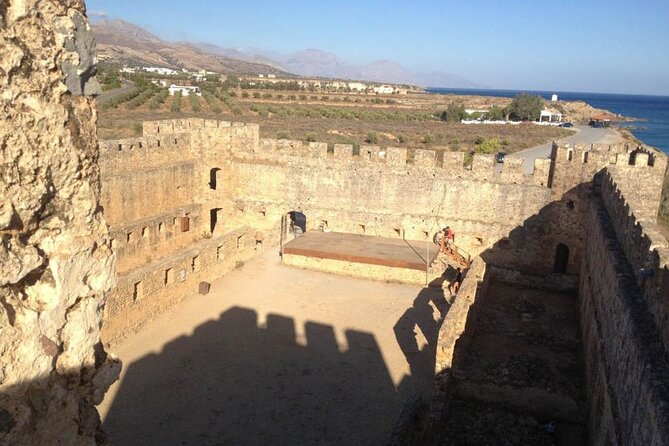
350,253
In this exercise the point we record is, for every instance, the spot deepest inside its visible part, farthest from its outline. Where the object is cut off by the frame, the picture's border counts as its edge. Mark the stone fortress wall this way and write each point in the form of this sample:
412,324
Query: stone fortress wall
622,290
187,201
55,262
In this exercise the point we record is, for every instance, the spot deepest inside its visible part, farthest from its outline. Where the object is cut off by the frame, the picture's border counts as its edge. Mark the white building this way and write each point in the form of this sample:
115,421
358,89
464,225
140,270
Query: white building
357,86
184,89
383,89
550,116
554,98
160,70
470,111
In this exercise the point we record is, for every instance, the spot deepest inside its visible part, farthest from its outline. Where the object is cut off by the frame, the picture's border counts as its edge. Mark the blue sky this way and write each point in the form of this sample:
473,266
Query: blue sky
610,46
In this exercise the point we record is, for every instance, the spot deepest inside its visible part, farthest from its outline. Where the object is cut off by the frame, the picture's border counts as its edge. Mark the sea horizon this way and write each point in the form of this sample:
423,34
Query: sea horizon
651,111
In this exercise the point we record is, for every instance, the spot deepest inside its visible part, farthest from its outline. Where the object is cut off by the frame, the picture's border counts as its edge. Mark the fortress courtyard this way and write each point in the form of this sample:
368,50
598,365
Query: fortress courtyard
276,354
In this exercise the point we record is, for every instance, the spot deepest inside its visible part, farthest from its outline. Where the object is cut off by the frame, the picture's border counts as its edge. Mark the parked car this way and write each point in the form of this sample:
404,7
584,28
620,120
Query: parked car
567,124
500,157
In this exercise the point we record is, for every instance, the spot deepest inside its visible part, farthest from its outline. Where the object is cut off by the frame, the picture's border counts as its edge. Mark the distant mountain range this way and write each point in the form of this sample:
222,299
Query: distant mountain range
123,42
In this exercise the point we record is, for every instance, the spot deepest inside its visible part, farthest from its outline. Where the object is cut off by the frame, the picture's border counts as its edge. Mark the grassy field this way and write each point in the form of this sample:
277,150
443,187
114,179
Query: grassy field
410,122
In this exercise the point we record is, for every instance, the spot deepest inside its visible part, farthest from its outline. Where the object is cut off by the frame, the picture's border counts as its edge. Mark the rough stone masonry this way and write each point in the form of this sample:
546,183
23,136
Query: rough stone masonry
55,261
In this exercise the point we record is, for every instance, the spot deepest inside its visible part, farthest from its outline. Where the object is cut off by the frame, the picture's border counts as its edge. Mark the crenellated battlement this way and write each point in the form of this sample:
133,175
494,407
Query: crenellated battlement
164,141
482,167
606,154
644,245
187,125
569,164
640,237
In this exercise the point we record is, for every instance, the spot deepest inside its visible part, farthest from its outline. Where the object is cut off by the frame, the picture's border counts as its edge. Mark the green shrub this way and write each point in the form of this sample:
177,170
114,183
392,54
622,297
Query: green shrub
245,94
211,101
372,137
403,139
141,98
176,103
194,102
283,135
429,138
488,146
256,94
158,100
312,137
454,112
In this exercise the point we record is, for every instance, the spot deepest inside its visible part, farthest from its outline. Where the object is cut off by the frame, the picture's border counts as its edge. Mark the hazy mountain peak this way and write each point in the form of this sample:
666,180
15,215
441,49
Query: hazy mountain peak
123,28
125,42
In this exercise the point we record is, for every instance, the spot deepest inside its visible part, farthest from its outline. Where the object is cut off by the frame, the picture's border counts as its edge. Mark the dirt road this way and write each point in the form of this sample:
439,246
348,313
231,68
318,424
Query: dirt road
585,135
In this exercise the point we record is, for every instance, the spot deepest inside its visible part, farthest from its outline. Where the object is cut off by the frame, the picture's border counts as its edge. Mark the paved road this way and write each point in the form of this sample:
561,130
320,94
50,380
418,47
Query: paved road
106,96
585,135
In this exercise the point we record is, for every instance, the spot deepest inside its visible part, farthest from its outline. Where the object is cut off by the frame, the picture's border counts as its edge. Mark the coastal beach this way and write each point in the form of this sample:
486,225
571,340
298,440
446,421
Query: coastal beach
651,112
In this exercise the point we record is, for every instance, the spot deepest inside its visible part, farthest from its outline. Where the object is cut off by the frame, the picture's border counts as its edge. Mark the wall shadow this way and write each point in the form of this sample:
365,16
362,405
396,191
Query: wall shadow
421,322
233,382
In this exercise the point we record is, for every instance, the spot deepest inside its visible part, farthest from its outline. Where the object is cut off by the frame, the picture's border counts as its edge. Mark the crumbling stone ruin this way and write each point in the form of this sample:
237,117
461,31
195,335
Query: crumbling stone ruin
562,258
55,260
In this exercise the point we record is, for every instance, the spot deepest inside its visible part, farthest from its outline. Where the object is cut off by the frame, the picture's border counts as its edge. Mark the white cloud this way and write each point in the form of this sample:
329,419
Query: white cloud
98,14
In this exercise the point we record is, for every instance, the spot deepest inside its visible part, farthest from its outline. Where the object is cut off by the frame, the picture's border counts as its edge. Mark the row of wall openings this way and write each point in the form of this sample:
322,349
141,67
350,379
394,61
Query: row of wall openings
132,146
130,236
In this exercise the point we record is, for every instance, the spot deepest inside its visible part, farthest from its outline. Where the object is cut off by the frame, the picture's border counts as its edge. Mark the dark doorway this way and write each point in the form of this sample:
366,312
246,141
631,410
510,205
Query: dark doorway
298,222
213,174
561,258
213,219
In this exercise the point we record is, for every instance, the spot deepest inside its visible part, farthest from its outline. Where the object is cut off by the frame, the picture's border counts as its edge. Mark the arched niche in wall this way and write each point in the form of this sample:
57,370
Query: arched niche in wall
561,258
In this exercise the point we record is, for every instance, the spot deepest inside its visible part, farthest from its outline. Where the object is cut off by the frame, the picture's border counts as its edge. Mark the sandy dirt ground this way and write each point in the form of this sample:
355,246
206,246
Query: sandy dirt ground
276,355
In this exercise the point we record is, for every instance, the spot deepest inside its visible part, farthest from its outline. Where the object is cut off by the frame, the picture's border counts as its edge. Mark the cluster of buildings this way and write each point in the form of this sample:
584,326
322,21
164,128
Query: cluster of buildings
197,76
332,85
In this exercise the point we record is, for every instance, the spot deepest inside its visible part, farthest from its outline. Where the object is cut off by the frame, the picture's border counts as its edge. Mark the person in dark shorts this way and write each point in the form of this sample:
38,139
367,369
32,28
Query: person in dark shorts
455,285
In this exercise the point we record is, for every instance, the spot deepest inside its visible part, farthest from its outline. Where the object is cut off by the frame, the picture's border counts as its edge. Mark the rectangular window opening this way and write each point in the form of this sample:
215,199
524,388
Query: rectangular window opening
138,292
169,276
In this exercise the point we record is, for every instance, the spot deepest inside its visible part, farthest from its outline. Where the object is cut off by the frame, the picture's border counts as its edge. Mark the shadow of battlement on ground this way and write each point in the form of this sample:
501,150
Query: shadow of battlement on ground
235,381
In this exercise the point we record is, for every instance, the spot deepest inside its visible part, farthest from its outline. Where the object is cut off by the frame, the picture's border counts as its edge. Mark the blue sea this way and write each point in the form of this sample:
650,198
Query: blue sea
653,129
